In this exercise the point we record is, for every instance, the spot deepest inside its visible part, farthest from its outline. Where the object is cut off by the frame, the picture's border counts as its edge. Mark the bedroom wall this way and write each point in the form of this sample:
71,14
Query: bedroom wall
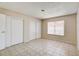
70,29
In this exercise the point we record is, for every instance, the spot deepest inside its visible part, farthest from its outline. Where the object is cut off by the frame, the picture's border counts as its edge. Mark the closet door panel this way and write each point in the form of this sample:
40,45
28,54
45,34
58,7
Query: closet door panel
8,31
32,29
38,29
17,30
20,30
2,31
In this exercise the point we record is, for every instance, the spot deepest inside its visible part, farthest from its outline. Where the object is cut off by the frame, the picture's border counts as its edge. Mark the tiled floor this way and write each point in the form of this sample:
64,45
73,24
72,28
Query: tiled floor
40,47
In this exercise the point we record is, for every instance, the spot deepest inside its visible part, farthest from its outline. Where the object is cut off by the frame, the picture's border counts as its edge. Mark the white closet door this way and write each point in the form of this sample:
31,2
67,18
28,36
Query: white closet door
8,31
17,30
38,29
32,29
2,31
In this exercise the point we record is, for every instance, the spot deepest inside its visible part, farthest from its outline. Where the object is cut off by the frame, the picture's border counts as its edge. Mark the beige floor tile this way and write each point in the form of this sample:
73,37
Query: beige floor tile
40,47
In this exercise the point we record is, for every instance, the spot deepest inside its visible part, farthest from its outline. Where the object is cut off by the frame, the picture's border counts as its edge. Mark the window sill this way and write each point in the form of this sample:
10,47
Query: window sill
55,35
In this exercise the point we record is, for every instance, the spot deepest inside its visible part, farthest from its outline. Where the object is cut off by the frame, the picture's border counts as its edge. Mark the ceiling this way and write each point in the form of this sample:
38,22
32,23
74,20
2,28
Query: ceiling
52,9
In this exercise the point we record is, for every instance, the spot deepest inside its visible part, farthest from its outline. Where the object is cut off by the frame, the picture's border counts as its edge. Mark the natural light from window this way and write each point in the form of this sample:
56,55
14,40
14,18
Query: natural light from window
56,27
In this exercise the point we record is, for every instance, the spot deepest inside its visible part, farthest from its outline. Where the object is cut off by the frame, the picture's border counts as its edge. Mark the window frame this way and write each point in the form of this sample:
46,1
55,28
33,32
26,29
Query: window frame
55,30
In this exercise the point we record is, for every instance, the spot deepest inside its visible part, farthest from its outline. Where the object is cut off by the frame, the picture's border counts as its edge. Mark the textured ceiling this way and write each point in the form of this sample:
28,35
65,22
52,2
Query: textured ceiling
52,9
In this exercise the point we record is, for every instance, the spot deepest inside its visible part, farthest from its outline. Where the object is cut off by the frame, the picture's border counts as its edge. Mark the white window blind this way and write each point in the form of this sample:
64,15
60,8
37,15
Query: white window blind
56,27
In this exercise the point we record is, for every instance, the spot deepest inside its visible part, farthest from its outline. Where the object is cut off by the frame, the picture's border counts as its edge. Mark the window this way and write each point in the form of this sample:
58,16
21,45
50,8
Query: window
56,27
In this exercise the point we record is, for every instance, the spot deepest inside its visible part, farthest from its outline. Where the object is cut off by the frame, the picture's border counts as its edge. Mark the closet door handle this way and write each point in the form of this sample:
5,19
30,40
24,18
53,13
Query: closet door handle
3,32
